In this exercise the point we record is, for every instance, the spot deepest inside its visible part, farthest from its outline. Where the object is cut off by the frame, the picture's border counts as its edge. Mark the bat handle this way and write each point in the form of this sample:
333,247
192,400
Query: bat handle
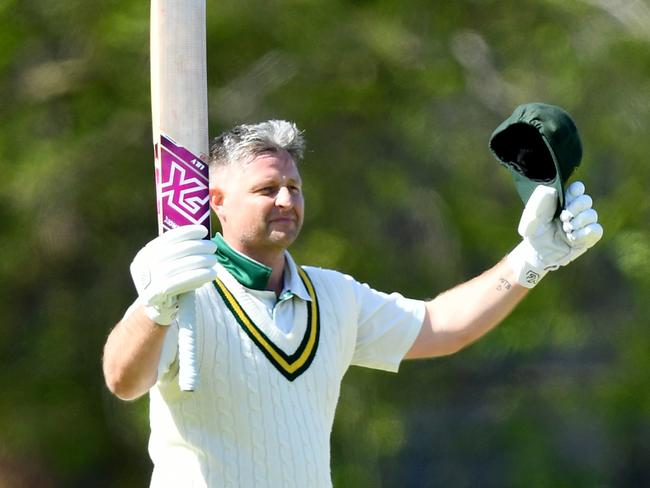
188,372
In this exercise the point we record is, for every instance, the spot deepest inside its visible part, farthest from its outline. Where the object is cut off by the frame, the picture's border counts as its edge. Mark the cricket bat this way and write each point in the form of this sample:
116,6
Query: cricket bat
179,109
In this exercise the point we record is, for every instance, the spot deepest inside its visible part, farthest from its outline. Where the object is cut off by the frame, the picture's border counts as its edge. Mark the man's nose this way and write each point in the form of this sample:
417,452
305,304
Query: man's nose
283,198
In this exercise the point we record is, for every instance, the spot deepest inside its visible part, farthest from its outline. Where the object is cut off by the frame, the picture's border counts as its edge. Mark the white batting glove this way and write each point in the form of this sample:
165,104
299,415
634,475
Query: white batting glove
176,262
549,242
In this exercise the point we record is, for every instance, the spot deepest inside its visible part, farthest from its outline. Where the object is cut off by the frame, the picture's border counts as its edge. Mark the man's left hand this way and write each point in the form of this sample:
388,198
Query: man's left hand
549,242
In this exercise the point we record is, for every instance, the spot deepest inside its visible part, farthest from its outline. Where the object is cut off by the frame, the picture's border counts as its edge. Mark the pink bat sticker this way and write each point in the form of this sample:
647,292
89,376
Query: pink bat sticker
182,186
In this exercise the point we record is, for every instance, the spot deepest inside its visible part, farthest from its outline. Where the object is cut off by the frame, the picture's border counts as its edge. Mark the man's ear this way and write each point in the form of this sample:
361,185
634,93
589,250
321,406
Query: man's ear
216,201
218,190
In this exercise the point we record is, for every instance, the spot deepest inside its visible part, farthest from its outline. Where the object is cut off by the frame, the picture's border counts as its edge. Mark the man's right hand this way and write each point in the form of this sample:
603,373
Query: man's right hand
176,262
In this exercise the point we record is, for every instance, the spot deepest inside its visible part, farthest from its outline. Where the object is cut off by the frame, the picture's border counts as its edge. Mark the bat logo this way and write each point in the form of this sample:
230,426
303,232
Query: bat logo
185,193
183,190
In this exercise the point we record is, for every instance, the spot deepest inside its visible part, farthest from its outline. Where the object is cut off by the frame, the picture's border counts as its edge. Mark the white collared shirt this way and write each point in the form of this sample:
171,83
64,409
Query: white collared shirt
281,309
264,411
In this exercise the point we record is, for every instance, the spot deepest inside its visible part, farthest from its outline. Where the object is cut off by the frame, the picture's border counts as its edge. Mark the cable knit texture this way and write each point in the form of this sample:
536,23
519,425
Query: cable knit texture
247,425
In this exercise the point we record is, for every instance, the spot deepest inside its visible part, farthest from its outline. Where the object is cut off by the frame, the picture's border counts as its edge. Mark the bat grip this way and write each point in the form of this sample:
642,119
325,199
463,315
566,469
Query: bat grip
188,373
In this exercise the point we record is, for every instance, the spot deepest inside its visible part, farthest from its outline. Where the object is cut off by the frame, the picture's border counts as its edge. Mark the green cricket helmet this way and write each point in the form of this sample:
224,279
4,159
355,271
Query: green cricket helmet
540,145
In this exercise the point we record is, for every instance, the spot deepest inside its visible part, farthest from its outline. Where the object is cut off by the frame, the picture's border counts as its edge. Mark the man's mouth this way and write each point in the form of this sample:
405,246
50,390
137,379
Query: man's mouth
282,220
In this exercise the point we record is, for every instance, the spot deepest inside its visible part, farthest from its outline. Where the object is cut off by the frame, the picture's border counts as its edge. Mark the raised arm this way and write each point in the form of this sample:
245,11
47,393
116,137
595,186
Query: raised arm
131,355
465,313
179,261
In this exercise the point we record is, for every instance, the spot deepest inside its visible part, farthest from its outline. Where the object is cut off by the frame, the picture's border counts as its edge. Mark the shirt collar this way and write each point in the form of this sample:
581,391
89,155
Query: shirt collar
250,273
255,275
293,285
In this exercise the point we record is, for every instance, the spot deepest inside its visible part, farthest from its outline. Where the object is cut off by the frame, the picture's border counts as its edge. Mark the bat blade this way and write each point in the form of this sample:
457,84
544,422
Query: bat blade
179,108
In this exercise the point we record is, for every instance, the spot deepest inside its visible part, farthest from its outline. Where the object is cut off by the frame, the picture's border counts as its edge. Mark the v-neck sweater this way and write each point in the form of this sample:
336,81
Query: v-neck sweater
261,417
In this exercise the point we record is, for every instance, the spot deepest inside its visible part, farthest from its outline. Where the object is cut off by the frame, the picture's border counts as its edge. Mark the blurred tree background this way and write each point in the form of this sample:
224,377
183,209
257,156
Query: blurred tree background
398,100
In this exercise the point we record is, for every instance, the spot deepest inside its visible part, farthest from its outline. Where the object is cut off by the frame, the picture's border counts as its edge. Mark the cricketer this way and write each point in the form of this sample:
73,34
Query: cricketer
275,337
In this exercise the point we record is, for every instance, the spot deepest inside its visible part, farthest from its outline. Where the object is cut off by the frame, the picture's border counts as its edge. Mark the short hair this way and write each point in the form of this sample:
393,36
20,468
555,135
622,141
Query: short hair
245,142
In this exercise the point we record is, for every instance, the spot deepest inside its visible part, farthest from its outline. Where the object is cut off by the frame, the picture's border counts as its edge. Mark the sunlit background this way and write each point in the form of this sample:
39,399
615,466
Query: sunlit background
398,100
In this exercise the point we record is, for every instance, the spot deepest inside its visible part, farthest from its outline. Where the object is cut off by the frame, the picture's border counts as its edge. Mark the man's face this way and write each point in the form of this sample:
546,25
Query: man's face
260,204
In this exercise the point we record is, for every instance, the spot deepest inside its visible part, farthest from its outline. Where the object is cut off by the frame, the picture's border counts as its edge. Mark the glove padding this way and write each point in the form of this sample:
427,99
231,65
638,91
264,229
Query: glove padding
550,242
176,262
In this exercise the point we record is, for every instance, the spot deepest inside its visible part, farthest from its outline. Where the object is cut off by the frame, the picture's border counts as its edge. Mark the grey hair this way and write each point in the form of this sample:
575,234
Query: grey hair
245,142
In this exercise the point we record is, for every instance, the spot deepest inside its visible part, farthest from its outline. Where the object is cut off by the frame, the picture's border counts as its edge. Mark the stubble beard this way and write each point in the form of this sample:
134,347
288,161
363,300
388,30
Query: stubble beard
285,238
266,240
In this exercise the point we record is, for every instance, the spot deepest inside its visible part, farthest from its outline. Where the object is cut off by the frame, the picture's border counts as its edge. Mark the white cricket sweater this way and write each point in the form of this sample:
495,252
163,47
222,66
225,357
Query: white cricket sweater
263,412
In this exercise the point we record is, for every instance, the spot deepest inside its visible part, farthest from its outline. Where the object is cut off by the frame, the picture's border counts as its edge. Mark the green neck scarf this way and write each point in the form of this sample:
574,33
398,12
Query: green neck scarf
247,271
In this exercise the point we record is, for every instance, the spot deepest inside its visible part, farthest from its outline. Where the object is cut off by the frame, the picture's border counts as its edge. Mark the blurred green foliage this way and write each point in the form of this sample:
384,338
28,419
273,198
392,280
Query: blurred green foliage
398,100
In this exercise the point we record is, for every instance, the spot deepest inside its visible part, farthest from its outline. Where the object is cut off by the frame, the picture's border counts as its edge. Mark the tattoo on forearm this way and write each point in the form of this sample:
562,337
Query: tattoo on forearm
503,284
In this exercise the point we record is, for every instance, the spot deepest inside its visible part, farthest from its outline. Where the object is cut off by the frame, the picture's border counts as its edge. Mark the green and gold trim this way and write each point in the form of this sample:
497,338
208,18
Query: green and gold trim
291,366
